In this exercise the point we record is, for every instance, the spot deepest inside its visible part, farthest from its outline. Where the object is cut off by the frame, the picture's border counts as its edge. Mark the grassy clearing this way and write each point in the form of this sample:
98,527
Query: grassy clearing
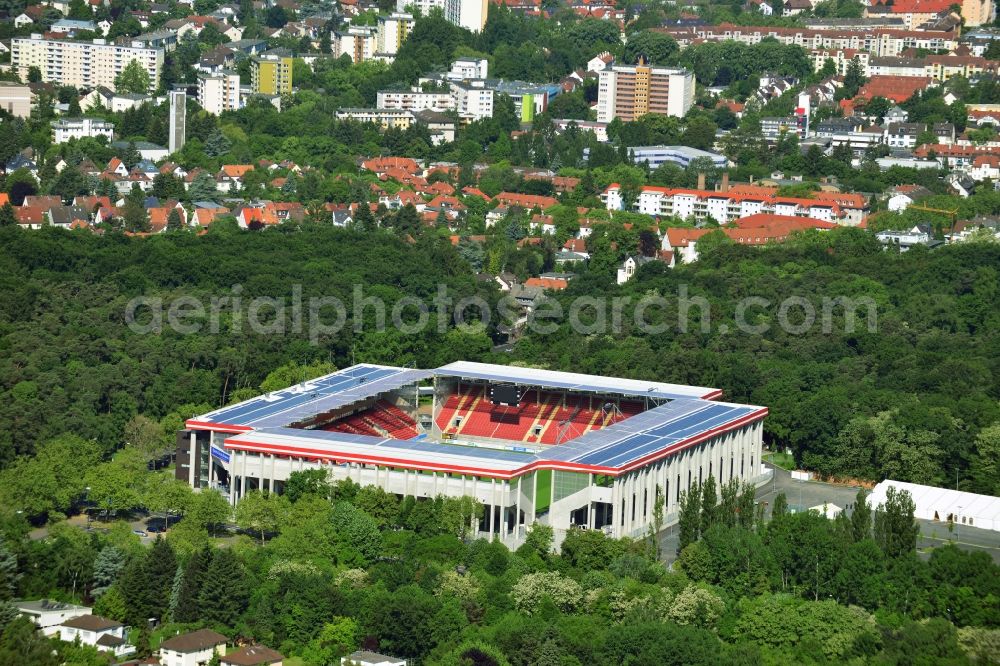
780,459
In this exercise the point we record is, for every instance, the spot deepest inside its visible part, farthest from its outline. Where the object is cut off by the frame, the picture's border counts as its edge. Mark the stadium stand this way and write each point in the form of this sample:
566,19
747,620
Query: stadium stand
381,420
541,417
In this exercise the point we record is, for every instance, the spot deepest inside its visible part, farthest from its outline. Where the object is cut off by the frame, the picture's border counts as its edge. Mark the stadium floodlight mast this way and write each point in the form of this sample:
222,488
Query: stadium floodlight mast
613,409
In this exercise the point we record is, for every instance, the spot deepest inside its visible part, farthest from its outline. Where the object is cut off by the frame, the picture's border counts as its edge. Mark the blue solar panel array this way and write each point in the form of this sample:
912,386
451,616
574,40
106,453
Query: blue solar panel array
646,433
416,445
614,447
317,395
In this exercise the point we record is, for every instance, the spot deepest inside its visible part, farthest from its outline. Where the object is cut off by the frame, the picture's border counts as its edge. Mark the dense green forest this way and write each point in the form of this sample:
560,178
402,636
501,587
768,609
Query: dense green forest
916,399
71,365
351,567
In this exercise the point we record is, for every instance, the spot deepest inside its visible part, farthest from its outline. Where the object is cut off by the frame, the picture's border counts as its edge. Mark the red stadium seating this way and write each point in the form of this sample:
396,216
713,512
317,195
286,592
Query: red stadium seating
551,412
380,420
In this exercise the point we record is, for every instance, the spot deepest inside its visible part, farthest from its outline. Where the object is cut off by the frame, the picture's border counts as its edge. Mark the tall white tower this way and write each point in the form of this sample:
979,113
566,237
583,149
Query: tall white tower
178,111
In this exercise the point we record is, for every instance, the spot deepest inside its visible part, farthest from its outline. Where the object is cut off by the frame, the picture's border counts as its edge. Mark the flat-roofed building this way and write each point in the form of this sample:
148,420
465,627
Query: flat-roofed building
82,64
49,614
393,30
568,449
80,128
271,74
15,99
385,117
629,92
219,91
358,42
416,98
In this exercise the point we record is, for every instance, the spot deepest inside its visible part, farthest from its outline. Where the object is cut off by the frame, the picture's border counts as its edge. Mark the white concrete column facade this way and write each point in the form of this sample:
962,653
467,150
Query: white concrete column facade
191,456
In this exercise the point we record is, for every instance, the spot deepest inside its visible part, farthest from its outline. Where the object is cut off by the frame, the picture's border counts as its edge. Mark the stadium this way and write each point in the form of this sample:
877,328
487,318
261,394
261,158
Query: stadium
564,449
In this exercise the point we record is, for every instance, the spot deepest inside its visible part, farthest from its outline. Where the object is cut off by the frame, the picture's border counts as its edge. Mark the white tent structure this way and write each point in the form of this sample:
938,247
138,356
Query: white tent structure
941,504
828,511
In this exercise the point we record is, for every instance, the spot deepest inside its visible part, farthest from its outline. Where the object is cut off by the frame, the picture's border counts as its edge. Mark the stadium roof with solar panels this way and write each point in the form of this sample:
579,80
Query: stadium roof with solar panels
677,417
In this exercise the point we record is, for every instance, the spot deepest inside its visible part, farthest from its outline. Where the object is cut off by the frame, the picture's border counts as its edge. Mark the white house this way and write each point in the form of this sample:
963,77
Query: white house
904,240
192,649
48,614
904,195
600,62
22,20
985,167
104,634
79,128
469,68
112,101
629,267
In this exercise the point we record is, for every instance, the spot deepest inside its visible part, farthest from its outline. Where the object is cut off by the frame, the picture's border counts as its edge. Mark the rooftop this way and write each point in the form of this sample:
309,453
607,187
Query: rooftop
252,655
678,415
194,641
46,605
92,623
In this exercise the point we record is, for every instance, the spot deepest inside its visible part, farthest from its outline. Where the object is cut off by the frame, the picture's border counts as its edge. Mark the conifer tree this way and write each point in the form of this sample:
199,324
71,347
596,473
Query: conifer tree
225,593
187,607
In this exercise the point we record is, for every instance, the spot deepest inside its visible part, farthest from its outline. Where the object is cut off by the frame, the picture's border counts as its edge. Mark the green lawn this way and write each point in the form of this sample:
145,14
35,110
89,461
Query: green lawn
782,460
544,490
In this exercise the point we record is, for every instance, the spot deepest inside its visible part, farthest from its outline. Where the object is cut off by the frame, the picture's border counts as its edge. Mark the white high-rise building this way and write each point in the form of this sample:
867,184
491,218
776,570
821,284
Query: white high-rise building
392,32
178,120
219,91
358,42
82,64
473,100
469,14
629,92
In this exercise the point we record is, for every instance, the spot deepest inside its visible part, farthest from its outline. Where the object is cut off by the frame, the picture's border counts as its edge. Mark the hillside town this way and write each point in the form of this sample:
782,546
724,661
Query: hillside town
125,120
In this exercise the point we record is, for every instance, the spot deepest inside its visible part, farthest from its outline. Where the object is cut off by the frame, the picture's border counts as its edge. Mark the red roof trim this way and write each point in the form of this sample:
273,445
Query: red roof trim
220,427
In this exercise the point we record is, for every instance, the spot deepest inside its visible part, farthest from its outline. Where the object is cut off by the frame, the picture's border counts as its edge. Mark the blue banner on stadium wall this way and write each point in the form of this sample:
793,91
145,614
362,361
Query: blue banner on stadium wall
220,454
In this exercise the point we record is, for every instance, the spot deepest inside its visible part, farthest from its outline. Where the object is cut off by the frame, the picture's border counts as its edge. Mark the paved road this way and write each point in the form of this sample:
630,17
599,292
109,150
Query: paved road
80,520
802,495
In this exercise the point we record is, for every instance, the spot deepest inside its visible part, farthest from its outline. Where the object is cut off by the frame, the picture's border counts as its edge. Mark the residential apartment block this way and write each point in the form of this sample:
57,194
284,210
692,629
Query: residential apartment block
469,14
79,128
271,74
738,202
82,64
385,117
937,67
415,99
392,32
879,42
219,92
359,42
629,92
473,99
